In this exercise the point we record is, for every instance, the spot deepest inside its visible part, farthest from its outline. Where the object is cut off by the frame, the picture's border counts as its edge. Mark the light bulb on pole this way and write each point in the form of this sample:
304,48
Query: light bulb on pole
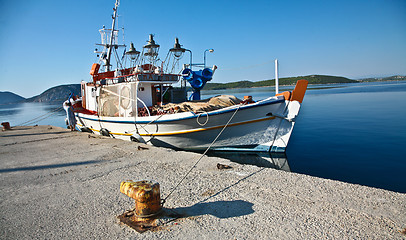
207,50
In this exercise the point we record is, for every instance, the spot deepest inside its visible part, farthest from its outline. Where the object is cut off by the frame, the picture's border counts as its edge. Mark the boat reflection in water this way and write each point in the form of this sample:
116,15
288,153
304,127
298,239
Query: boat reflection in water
261,159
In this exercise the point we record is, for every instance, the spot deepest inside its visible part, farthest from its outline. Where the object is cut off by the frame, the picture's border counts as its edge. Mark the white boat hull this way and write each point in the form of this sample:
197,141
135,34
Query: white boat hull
262,126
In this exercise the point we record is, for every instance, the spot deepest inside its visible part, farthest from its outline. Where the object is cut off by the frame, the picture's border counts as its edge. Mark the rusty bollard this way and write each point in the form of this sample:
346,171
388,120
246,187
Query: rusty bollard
6,126
146,195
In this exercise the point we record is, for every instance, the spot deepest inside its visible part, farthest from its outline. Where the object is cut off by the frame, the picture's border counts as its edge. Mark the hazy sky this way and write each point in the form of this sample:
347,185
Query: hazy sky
44,43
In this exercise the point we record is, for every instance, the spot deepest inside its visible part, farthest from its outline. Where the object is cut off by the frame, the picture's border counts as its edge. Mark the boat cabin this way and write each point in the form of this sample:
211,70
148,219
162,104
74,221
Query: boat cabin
113,93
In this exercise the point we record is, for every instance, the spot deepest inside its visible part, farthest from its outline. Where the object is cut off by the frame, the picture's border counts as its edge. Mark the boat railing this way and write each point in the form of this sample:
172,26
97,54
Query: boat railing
162,78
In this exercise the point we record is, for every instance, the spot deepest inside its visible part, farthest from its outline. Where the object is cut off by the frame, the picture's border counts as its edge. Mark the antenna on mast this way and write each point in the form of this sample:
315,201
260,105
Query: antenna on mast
109,41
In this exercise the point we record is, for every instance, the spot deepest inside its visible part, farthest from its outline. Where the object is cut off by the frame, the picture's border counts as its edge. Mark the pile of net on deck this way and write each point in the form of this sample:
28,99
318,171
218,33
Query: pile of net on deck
110,104
206,105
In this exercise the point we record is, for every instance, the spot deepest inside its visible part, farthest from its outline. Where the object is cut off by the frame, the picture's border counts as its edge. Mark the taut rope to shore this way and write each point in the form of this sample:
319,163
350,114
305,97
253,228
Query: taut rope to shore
39,118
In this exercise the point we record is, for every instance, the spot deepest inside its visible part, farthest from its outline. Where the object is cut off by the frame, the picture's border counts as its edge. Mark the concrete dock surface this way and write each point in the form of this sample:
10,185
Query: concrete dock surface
57,184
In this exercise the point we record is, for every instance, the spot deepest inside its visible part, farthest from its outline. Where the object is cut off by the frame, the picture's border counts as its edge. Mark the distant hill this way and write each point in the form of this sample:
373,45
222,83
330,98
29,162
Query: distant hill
9,97
56,94
391,78
313,79
61,92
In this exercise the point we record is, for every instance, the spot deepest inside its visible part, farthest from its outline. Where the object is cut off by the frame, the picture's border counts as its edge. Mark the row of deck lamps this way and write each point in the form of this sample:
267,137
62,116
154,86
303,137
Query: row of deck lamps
153,48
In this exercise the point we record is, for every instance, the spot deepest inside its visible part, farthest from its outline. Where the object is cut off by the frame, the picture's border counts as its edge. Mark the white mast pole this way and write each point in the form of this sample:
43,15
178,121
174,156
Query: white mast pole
112,35
276,77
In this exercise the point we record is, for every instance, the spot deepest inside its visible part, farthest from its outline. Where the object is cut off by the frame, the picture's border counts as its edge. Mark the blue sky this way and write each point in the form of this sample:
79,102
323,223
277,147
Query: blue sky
45,43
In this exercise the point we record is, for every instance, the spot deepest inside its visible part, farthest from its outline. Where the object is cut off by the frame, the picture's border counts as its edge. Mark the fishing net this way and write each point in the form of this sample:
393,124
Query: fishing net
206,105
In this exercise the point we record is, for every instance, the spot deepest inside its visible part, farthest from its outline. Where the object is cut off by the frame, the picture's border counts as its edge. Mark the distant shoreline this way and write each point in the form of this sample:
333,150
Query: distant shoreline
293,84
313,80
61,92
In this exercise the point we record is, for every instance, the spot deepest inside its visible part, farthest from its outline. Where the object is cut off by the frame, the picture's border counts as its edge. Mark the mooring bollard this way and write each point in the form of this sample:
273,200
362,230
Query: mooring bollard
147,197
6,126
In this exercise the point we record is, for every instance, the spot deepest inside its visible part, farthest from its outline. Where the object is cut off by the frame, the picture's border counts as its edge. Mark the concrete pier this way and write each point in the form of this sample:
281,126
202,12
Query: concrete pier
57,184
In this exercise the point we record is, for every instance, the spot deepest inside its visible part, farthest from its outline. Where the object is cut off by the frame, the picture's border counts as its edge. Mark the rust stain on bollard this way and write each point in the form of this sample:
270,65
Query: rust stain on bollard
147,204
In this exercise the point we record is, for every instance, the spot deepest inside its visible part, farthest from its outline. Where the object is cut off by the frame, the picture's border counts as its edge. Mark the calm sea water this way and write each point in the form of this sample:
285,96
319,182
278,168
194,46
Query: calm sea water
349,132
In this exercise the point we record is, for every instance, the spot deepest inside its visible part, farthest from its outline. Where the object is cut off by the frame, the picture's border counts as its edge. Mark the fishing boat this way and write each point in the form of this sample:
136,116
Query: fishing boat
147,102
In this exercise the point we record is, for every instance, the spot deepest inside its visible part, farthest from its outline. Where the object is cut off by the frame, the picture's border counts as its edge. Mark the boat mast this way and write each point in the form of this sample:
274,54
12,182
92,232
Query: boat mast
110,45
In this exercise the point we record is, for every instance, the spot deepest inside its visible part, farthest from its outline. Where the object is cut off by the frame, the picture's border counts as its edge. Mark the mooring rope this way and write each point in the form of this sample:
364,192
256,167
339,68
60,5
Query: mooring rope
201,156
40,118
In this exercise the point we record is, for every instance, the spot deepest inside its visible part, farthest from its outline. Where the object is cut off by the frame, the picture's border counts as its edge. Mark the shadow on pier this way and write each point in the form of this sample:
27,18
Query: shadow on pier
220,209
49,166
260,159
33,134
